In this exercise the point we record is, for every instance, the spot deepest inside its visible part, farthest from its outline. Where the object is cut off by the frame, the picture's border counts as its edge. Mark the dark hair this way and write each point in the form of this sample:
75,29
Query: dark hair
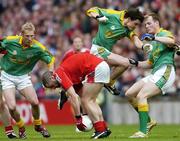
46,77
154,16
134,14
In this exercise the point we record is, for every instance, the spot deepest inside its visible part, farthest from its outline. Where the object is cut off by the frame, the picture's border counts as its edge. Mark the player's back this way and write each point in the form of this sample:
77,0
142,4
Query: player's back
79,65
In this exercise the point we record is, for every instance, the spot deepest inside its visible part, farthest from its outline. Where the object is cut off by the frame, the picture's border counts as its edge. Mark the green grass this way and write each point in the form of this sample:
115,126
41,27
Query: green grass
119,133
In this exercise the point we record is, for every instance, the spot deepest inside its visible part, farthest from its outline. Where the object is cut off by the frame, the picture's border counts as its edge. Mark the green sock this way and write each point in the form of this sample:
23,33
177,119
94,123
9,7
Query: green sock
136,108
143,120
143,117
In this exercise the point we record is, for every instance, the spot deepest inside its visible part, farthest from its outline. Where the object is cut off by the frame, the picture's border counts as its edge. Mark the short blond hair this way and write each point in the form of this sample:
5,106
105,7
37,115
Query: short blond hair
27,26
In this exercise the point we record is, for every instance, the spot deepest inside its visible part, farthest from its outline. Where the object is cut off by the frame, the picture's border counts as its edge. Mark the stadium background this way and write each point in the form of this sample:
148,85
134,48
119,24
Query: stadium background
58,21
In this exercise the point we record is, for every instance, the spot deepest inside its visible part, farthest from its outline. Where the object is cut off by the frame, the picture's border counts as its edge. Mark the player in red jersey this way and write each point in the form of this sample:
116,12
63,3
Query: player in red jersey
77,47
94,72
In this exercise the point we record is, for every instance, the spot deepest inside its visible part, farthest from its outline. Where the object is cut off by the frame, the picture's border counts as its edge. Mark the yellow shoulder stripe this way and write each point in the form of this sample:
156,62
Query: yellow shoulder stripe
39,44
12,37
111,11
52,62
168,32
93,9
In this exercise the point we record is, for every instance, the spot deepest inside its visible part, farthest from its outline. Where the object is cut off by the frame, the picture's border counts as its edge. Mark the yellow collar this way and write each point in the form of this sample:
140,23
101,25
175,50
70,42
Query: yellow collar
20,42
122,17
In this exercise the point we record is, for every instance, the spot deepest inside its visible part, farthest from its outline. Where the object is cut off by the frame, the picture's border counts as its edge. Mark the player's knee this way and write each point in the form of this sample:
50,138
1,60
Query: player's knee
128,94
34,102
141,97
2,106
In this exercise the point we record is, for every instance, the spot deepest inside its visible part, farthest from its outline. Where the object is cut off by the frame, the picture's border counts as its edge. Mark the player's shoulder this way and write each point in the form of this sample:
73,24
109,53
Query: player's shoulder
12,38
39,45
163,31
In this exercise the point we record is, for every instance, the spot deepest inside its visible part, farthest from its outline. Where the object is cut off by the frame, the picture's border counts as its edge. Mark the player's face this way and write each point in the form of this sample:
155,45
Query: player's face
77,43
132,24
52,83
150,25
28,36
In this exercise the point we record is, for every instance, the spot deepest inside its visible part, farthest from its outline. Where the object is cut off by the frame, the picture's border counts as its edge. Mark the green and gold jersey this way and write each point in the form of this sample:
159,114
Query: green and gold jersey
20,60
161,54
112,30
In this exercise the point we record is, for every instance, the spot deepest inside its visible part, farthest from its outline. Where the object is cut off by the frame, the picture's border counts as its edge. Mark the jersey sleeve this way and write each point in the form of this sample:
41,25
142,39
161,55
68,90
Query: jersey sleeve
101,11
45,55
63,79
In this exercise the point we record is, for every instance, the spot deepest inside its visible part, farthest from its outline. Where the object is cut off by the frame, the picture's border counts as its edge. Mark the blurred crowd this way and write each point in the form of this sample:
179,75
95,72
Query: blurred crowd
57,22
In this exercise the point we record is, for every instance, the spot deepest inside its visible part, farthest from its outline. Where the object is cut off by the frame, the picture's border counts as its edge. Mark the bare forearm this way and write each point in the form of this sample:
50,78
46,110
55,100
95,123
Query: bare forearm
144,64
75,104
73,98
138,43
165,40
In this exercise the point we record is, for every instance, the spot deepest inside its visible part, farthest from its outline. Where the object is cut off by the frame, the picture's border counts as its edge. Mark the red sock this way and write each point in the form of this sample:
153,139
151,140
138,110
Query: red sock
9,129
99,126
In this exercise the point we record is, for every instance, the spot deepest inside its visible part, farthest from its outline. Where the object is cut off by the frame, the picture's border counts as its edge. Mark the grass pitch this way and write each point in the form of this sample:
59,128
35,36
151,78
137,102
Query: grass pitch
119,133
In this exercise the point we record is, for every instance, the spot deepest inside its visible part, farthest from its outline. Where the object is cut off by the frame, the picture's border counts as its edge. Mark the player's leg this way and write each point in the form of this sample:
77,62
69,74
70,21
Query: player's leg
6,118
91,89
119,62
132,92
149,89
8,91
30,94
160,81
90,93
9,95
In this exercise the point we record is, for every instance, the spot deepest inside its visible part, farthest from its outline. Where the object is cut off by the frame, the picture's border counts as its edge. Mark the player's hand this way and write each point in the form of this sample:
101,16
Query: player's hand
133,62
101,18
62,99
79,123
148,37
147,47
177,48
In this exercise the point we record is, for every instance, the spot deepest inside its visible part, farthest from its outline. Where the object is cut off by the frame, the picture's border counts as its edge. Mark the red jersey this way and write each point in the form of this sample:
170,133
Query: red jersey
72,52
74,69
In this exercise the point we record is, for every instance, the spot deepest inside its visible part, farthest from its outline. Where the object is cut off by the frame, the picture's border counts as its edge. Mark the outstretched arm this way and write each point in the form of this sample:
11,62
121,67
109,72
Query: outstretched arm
138,43
143,64
73,98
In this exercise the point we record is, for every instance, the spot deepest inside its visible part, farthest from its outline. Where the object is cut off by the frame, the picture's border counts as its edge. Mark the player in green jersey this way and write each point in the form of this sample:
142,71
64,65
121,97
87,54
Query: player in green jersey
161,61
114,25
23,52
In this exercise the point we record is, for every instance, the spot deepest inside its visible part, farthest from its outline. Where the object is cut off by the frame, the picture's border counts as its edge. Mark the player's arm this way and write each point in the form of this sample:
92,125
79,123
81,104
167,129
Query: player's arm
73,98
97,13
145,64
165,40
166,37
137,42
142,64
46,56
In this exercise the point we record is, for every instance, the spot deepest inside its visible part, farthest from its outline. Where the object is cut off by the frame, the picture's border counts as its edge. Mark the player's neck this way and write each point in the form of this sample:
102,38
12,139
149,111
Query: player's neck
25,45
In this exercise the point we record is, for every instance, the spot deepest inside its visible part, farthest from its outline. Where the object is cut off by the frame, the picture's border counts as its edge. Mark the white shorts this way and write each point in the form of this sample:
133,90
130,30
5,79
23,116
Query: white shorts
99,51
100,75
162,78
11,81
